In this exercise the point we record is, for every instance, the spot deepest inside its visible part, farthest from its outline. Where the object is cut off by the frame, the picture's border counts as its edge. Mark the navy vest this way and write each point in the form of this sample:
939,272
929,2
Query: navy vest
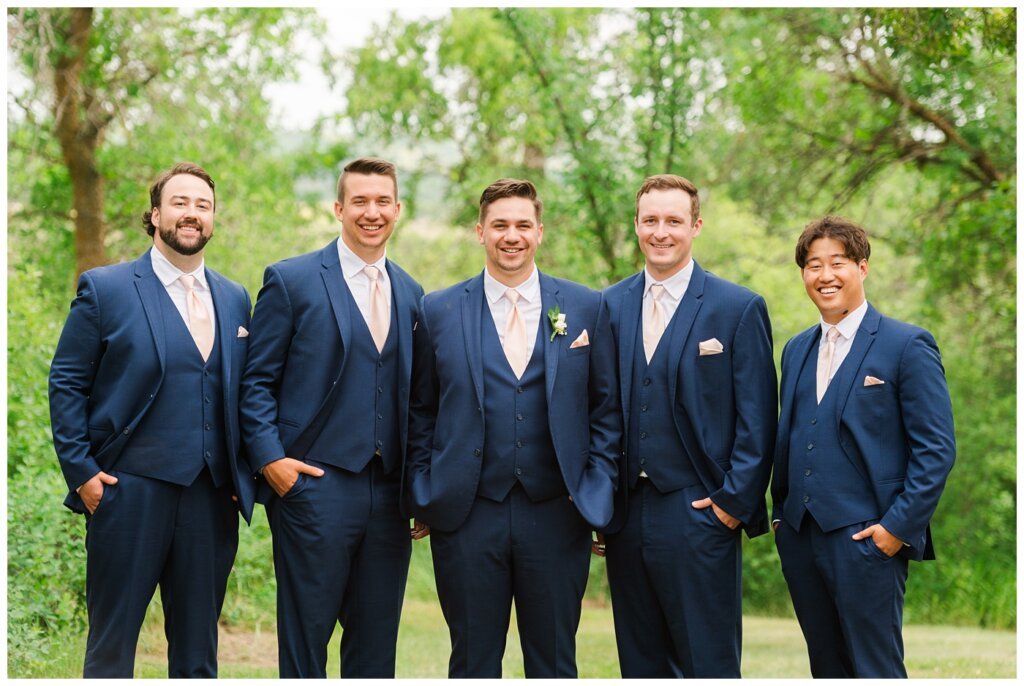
364,420
652,442
822,480
183,430
518,444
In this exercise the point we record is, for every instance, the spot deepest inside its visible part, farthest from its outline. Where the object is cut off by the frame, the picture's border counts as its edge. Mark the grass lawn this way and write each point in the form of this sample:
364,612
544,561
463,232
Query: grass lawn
772,648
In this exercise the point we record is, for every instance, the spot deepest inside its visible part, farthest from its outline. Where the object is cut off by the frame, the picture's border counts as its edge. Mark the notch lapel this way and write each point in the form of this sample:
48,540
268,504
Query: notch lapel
549,298
848,371
334,281
632,308
147,286
405,305
684,317
472,301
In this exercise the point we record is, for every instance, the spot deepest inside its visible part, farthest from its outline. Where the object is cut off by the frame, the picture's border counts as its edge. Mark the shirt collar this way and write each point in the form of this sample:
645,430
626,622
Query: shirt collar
352,264
168,273
675,285
849,324
528,290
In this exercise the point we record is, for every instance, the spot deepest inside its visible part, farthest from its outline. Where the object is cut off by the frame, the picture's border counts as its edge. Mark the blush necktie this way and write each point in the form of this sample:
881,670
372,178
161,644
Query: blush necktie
515,335
379,314
825,361
199,323
654,321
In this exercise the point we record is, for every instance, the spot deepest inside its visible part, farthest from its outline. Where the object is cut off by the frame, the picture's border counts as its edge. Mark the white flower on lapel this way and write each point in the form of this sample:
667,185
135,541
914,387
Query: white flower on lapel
558,322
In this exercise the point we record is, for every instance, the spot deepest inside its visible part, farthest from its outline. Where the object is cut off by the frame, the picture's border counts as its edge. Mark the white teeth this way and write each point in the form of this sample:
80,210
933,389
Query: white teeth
828,291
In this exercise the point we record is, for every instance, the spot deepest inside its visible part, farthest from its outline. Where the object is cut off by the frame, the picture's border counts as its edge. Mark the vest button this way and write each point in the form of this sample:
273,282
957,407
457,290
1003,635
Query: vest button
518,470
519,416
206,399
643,460
643,434
647,382
379,443
519,389
380,389
814,421
643,408
380,416
125,431
807,498
208,453
807,472
207,427
519,444
810,446
476,452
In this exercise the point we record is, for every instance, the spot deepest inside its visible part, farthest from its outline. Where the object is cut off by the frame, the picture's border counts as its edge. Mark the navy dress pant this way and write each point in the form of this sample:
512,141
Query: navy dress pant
674,574
536,554
848,597
147,533
341,554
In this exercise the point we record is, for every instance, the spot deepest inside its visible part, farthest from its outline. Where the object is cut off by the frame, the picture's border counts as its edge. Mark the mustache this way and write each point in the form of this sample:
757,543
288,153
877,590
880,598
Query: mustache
188,223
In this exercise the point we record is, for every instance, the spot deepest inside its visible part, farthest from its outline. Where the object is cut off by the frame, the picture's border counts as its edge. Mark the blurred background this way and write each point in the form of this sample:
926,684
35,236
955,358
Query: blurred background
901,119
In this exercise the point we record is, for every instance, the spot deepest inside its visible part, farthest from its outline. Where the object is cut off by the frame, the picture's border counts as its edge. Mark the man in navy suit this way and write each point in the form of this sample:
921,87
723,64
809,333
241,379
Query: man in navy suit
144,411
513,444
324,415
697,386
864,448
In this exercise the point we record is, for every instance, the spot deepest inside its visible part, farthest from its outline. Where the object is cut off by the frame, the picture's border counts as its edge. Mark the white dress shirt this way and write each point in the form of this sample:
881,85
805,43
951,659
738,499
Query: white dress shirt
675,289
529,306
170,276
352,267
847,331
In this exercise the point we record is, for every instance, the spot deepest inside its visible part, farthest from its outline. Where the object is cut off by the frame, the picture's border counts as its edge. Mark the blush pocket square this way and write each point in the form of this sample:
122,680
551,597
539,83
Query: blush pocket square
243,332
582,340
712,346
872,381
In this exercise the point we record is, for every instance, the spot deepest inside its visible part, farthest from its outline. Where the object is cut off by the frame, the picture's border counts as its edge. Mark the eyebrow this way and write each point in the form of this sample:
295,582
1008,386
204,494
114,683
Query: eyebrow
189,197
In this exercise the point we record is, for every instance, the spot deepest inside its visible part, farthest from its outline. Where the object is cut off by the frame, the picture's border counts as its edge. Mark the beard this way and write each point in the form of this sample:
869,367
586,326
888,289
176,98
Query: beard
171,239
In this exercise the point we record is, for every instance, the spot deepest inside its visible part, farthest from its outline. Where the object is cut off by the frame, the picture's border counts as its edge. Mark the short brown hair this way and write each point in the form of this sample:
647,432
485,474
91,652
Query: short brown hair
670,182
509,188
851,235
156,191
368,166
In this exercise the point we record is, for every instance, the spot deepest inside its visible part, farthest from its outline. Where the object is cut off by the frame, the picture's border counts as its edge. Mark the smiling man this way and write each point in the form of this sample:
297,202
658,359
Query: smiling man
865,445
697,389
513,444
143,407
324,406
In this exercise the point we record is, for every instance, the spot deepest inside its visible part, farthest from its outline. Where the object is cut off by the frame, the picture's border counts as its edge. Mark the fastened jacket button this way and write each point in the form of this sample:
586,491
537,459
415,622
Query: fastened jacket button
206,399
643,460
518,470
125,432
807,498
807,472
207,427
208,453
476,452
814,421
380,416
380,389
810,446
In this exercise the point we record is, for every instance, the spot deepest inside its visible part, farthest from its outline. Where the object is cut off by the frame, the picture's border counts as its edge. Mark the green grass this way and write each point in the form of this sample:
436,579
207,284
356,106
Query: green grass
772,648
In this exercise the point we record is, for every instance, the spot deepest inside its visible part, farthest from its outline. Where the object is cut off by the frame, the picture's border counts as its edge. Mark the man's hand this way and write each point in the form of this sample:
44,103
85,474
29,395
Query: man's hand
597,546
722,515
91,492
886,542
419,530
282,474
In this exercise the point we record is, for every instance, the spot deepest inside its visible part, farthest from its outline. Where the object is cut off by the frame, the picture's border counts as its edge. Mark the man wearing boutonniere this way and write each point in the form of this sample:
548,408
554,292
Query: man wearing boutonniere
144,412
697,387
324,406
514,434
864,449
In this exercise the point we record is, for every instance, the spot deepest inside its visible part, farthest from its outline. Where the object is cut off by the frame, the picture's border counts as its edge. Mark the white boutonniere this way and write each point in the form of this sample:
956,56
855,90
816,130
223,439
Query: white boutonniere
558,323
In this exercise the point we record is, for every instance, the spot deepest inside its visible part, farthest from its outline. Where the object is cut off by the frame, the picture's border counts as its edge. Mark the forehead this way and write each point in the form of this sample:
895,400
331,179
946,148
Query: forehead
188,186
665,201
825,248
511,210
369,186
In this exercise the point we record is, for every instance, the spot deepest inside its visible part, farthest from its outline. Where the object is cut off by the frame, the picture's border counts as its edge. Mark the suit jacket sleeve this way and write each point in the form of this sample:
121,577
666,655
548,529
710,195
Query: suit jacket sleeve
423,404
269,341
72,373
928,424
605,411
756,399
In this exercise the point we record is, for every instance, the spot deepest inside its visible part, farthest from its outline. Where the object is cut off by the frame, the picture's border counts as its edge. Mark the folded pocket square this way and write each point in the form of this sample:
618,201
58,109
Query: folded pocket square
712,346
581,340
872,381
243,332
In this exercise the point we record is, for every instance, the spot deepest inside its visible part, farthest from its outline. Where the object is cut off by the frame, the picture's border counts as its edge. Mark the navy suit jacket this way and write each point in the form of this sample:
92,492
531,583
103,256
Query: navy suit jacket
898,435
446,423
300,339
109,366
726,404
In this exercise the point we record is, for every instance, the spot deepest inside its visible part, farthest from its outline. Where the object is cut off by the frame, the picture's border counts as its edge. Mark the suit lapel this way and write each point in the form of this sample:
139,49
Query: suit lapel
225,318
472,302
848,371
550,298
684,317
405,305
632,306
334,281
148,285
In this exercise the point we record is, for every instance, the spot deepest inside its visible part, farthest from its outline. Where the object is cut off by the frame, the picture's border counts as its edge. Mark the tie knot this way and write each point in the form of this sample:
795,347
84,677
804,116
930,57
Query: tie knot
832,334
372,272
188,281
657,290
512,295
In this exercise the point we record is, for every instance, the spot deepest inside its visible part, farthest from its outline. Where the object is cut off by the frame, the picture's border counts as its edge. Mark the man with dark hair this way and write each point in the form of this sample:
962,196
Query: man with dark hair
324,415
864,448
513,444
143,390
697,388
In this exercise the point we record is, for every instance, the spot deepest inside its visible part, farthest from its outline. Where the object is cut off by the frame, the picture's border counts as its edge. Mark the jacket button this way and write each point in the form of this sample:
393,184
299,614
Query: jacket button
518,471
643,434
807,472
643,460
814,421
807,498
125,432
519,444
810,446
476,452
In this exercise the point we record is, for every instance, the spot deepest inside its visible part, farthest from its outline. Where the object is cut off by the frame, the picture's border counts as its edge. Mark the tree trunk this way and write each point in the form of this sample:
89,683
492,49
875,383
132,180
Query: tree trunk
79,138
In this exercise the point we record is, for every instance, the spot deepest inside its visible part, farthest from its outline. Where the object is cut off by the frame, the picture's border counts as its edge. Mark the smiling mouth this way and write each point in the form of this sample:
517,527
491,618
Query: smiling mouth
828,290
511,251
371,228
